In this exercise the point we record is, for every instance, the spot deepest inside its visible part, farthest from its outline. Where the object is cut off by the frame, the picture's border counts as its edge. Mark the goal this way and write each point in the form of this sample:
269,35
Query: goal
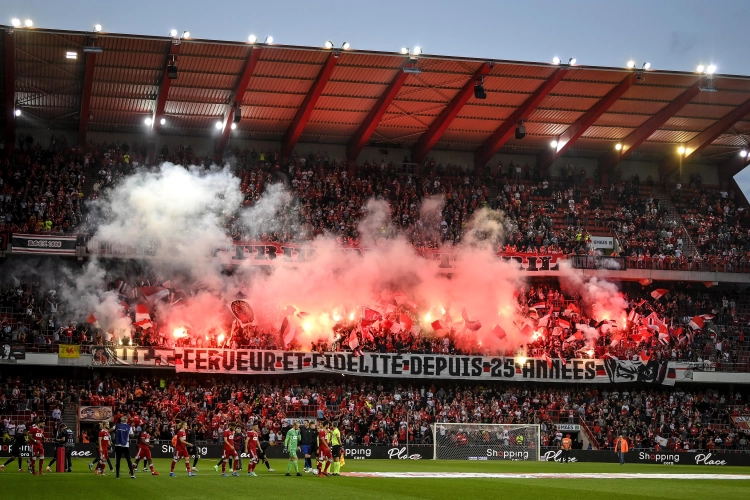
455,441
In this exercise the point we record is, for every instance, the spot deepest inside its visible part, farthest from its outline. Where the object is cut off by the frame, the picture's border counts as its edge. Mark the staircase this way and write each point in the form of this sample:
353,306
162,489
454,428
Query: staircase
688,247
70,419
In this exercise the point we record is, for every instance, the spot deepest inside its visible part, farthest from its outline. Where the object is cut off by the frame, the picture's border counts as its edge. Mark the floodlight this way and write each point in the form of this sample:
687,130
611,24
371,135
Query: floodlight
555,60
711,69
328,44
162,121
700,68
618,146
631,64
553,144
233,126
404,50
252,39
29,23
681,150
219,125
647,65
18,112
185,34
15,22
173,33
269,40
148,121
97,28
572,61
346,46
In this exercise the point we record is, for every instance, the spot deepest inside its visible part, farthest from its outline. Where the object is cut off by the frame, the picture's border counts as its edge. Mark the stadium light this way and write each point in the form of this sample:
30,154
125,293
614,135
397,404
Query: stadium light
185,34
700,68
555,60
28,23
743,153
345,46
417,51
15,22
252,39
328,44
647,65
71,55
162,121
97,28
572,61
173,33
711,69
553,144
631,64
681,150
148,121
618,146
269,40
219,125
404,50
18,112
233,126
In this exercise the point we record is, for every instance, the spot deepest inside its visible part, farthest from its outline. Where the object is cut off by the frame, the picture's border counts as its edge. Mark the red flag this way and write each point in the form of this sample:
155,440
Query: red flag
288,331
527,331
539,305
499,332
546,358
353,340
242,311
153,293
471,325
659,293
645,357
677,333
563,323
407,322
371,315
400,298
93,321
438,325
141,313
696,323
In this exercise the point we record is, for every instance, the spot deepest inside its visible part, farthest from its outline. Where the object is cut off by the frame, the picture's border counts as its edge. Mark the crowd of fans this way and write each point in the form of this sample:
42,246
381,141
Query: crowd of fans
383,412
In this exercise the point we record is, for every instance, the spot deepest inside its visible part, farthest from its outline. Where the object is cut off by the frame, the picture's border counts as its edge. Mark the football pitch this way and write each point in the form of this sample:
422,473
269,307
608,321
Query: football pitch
392,479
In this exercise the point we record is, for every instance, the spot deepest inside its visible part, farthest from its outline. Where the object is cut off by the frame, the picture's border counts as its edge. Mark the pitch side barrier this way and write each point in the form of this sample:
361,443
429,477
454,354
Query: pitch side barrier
424,452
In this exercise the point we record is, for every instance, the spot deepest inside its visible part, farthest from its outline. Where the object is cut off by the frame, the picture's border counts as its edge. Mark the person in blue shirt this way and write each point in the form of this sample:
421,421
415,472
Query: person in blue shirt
123,431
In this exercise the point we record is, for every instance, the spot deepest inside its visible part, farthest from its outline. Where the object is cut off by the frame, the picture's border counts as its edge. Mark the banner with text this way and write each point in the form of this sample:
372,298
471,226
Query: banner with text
440,366
38,244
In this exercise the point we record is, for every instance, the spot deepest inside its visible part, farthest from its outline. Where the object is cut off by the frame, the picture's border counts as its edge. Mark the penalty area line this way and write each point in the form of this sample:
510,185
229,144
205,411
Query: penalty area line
544,475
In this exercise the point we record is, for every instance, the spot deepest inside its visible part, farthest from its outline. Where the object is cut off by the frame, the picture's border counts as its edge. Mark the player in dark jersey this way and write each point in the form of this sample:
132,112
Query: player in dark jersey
19,441
193,448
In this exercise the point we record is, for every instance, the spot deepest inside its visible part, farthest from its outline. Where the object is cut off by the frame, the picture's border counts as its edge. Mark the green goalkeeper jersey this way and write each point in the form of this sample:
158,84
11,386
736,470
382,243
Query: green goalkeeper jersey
292,440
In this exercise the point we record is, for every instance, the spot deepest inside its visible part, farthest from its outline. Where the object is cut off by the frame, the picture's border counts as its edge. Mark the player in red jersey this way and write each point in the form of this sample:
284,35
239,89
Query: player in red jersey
103,448
36,438
251,448
230,452
144,451
324,451
180,443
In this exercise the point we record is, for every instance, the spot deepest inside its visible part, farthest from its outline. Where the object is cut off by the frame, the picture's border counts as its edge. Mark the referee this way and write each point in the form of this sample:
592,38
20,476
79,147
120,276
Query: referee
334,438
122,446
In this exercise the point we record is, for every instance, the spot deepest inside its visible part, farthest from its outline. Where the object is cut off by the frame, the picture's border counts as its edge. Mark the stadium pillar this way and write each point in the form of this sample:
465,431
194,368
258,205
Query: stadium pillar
372,120
577,129
166,83
609,161
294,132
236,101
10,91
440,124
504,132
671,163
88,84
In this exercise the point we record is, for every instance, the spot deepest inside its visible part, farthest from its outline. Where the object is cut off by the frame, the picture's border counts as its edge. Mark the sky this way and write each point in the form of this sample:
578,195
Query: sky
670,34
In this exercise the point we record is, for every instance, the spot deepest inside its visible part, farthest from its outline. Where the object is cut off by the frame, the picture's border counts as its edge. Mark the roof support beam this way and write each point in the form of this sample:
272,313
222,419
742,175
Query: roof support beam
294,132
166,83
609,161
671,163
237,98
372,120
577,129
504,132
440,124
88,84
10,91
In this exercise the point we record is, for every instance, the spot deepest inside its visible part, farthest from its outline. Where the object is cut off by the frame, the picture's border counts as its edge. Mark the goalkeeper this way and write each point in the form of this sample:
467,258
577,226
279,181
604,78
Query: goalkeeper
291,446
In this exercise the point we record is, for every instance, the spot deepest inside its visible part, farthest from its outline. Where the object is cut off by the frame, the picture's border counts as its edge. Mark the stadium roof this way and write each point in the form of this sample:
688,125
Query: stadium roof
353,97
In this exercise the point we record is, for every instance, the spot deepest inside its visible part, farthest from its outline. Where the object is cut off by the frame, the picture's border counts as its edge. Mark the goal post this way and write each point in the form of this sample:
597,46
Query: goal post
456,441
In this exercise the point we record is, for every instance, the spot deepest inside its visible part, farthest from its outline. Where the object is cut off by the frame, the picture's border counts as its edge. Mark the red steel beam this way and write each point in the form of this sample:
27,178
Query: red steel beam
10,91
504,132
88,84
294,132
372,120
237,97
577,129
638,136
671,163
163,95
440,124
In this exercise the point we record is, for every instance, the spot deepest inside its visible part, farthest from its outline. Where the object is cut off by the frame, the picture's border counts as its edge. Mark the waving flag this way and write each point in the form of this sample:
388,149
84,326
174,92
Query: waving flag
141,313
153,293
471,325
353,340
659,293
548,360
696,323
288,331
93,321
563,324
539,305
645,357
407,322
571,309
499,332
371,315
439,325
400,298
242,311
544,320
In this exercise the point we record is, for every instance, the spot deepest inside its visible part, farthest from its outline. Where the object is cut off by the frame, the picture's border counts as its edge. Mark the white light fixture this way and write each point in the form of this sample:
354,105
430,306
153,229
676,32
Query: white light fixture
71,55
173,33
148,121
97,28
404,50
218,125
269,40
28,23
15,22
647,65
681,150
701,68
553,144
555,60
162,121
185,34
417,51
618,146
328,44
252,39
572,61
234,126
346,46
18,112
711,69
743,153
631,64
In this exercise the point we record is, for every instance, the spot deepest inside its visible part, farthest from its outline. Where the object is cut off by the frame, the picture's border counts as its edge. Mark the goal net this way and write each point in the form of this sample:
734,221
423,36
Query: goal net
455,441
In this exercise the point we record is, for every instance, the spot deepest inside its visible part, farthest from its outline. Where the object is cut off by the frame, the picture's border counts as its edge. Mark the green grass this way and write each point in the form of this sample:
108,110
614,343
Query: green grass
209,484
